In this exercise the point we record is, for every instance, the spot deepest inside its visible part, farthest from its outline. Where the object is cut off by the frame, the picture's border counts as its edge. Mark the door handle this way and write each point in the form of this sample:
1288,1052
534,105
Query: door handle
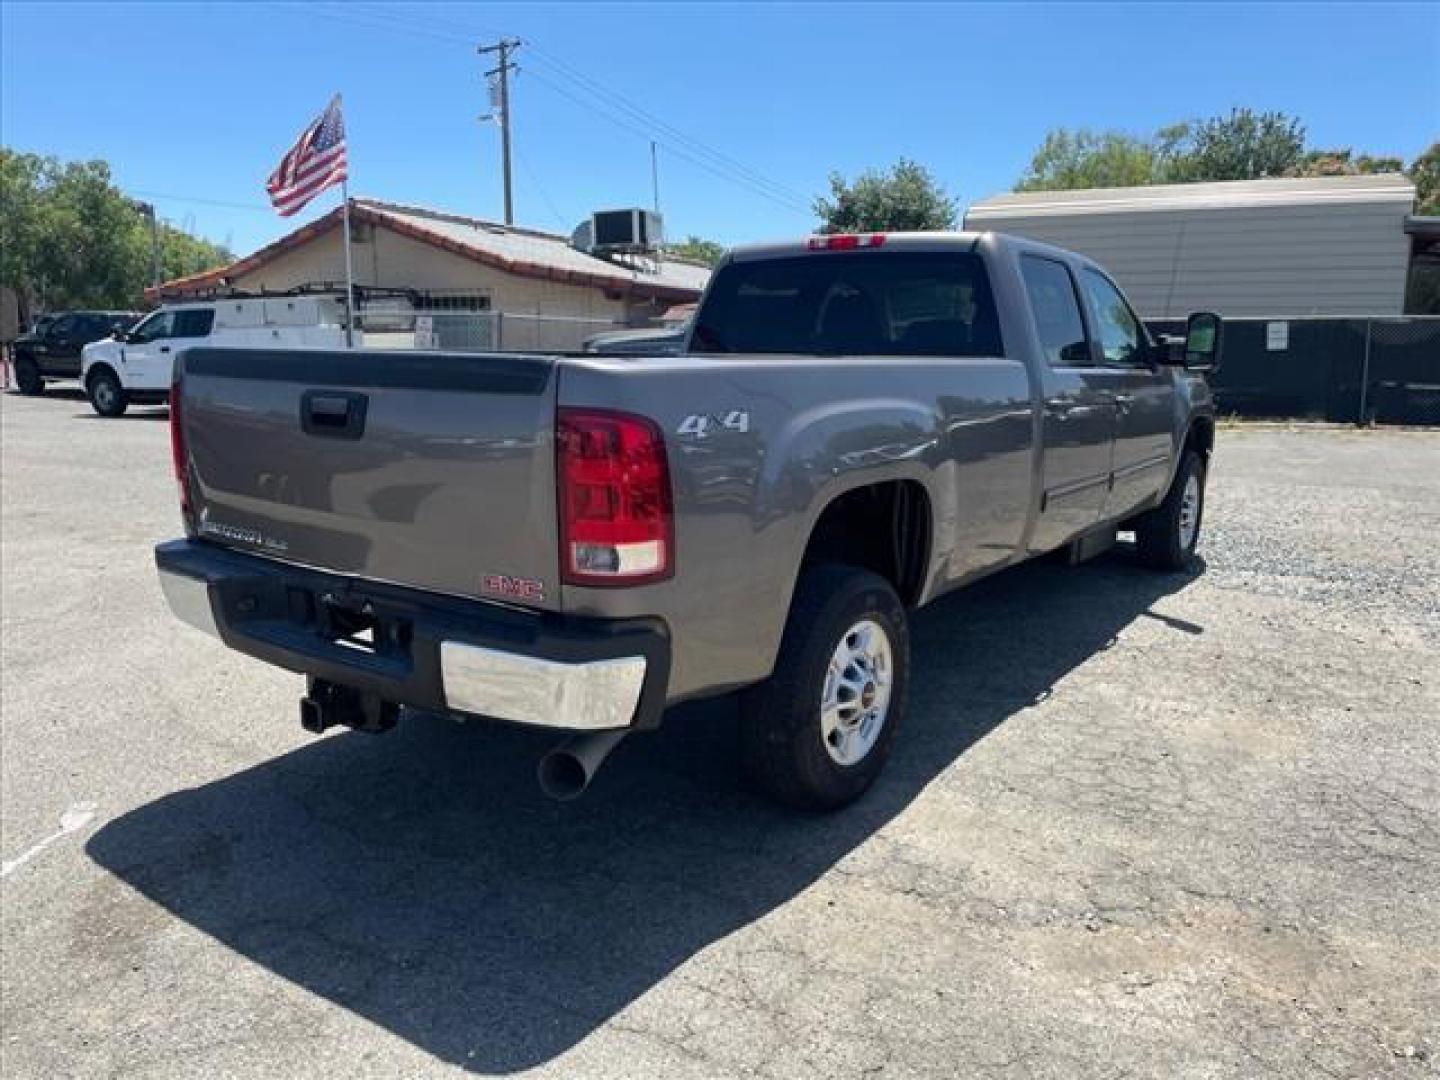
164,348
333,414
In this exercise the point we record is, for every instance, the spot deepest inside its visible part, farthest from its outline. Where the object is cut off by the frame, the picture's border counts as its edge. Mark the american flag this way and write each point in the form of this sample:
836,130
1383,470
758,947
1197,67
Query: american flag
315,162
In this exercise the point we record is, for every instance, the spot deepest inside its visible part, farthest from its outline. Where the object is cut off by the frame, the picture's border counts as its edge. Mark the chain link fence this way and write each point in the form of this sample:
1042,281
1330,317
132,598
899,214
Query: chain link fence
464,321
1400,381
1384,371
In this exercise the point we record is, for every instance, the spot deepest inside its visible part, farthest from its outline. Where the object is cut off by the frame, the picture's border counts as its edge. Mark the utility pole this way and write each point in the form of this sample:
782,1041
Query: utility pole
502,70
148,209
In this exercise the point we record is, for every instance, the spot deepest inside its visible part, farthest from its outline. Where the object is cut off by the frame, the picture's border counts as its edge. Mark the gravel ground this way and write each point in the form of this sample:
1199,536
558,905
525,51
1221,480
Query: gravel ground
1139,825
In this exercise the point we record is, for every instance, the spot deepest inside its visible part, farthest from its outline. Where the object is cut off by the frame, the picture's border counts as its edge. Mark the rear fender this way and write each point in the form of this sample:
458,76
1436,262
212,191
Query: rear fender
820,454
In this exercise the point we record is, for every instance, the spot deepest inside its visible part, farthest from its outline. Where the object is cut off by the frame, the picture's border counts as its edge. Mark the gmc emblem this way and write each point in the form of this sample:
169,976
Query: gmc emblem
514,588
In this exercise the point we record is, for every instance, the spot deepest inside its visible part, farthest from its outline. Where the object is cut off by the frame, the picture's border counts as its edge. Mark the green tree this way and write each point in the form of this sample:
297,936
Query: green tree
1344,162
1245,145
698,250
905,199
72,239
1089,159
1424,173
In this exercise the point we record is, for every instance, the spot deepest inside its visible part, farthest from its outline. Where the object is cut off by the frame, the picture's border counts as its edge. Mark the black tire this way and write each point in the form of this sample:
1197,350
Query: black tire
27,376
1161,539
783,745
107,396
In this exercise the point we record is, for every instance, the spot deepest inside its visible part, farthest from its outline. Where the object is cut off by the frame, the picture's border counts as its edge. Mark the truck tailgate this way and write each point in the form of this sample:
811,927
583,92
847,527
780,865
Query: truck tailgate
429,470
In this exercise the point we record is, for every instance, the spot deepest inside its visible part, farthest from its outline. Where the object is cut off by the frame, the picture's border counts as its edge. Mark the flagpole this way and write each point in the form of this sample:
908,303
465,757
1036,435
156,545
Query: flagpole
349,272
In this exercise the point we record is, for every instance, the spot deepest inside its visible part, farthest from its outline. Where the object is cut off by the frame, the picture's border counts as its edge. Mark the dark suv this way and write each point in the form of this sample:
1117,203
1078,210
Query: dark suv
52,349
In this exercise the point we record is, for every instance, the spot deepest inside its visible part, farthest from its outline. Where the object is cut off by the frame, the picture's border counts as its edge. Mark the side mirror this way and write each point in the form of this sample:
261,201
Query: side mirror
1076,354
1204,333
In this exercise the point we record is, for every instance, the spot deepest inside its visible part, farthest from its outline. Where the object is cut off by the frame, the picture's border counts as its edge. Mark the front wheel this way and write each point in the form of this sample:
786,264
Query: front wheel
817,733
107,396
1166,537
27,376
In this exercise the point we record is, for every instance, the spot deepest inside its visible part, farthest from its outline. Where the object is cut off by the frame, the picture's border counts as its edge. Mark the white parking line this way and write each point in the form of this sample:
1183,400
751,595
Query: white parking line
74,819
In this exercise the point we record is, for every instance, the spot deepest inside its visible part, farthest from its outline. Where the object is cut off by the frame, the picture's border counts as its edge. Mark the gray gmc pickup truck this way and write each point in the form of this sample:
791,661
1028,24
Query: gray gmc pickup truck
858,425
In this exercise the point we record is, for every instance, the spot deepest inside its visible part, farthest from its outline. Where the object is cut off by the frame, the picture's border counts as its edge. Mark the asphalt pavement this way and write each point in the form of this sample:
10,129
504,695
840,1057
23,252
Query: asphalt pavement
1138,824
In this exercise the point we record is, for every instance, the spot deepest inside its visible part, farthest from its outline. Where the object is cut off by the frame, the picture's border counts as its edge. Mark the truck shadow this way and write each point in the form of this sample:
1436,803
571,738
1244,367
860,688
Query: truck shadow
421,881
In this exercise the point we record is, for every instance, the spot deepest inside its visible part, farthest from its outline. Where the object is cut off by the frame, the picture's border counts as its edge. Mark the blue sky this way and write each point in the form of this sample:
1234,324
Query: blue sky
193,104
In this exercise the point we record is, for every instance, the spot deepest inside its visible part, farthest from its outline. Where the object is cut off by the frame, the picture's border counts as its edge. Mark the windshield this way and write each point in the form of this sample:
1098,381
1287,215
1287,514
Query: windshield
885,303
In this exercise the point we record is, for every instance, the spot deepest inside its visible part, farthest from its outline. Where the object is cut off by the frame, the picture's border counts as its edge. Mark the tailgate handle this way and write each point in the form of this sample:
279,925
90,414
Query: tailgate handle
335,414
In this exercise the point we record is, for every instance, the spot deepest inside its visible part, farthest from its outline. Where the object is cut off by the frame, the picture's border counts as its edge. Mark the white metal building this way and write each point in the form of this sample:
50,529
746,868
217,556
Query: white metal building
1275,248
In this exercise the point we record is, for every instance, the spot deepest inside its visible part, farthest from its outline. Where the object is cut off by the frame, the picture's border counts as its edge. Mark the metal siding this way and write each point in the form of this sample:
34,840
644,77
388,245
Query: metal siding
1277,261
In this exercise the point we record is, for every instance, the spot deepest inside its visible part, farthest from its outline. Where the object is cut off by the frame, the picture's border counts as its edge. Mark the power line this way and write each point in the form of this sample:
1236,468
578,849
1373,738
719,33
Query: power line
607,102
632,127
199,201
450,30
375,20
406,13
564,223
646,117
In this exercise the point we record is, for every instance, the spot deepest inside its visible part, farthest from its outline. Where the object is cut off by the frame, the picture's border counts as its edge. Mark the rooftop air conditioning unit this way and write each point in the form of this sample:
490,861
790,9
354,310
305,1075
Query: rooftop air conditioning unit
621,230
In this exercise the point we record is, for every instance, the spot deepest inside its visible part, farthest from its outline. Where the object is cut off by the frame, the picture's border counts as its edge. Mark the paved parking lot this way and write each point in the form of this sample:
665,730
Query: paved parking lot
1139,825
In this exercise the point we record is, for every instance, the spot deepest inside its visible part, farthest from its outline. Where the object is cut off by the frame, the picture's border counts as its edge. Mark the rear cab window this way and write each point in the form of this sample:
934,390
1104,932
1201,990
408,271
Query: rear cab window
889,303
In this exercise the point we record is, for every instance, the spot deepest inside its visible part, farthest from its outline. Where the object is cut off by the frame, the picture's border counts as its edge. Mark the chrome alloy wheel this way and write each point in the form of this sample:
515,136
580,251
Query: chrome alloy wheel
856,697
1189,512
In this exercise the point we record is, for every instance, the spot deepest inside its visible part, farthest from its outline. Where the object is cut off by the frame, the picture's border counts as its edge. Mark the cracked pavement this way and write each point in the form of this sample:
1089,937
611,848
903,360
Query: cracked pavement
1137,825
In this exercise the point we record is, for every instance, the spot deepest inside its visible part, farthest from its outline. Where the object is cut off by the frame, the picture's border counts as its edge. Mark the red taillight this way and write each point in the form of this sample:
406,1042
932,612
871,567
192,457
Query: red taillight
846,241
614,492
177,448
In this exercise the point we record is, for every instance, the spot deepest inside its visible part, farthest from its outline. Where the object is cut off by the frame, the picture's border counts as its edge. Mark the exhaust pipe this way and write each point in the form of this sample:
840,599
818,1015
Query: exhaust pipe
565,772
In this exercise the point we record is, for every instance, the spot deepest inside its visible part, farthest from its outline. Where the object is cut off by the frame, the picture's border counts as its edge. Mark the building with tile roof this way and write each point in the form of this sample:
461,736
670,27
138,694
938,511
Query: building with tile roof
551,294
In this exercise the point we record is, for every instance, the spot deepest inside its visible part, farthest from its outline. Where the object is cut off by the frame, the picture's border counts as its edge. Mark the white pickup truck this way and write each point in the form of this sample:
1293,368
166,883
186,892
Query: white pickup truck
137,366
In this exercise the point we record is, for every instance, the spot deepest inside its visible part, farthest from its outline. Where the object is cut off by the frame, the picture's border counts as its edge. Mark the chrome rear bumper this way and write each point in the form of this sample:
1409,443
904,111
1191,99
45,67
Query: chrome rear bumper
592,696
460,656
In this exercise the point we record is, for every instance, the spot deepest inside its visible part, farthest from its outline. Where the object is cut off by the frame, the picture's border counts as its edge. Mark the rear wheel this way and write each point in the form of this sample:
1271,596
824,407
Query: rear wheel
817,733
1167,536
107,396
27,376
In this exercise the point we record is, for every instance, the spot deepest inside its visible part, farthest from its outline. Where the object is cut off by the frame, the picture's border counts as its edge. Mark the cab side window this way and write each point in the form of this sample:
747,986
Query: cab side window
66,326
1122,339
194,323
1056,308
157,326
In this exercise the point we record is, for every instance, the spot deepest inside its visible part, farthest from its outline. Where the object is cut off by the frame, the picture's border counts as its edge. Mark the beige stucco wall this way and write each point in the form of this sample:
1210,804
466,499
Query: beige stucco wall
386,258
